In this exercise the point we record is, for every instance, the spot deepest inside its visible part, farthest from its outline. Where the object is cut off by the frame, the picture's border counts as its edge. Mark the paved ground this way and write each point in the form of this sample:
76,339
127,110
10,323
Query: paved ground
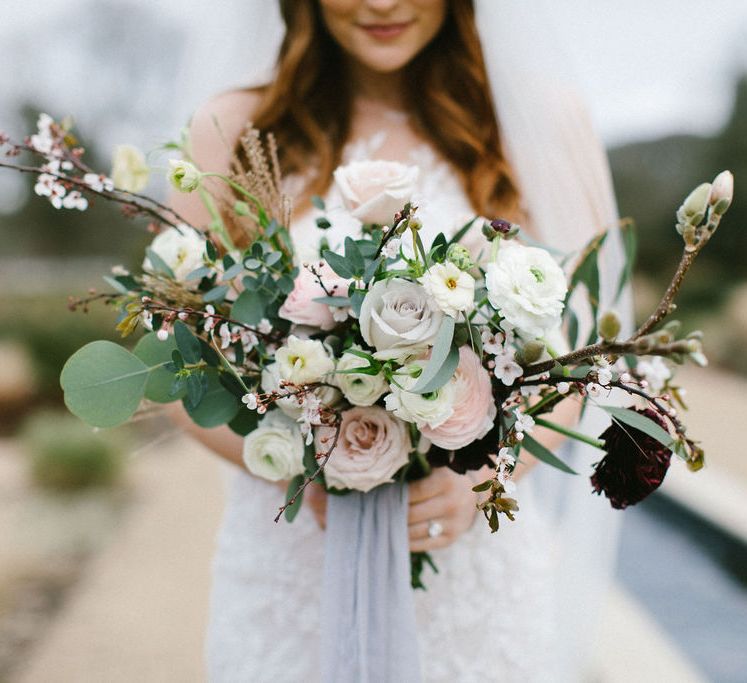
139,612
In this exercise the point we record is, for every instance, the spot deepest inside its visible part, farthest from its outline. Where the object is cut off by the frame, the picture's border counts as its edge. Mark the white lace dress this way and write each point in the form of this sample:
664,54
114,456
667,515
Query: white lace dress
488,615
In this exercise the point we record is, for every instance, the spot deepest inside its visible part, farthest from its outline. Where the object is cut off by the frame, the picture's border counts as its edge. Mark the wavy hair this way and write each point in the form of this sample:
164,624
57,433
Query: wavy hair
308,107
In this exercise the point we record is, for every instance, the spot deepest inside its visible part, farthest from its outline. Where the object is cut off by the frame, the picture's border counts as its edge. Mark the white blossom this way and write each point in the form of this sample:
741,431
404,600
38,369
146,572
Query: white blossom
452,289
391,248
563,388
507,370
505,458
524,423
75,200
655,371
250,400
98,182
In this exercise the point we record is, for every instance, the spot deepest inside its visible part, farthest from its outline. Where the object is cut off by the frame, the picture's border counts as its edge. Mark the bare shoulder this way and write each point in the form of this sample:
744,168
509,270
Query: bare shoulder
217,125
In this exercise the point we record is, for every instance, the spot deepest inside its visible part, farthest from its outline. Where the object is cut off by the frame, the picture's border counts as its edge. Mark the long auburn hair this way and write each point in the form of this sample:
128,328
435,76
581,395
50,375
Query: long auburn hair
308,107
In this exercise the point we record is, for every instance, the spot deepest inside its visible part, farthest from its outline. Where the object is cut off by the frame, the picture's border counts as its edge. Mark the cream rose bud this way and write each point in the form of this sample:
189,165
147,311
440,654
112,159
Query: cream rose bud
474,407
304,361
373,191
398,318
527,287
359,389
300,307
129,170
452,289
372,446
184,175
425,410
274,450
181,250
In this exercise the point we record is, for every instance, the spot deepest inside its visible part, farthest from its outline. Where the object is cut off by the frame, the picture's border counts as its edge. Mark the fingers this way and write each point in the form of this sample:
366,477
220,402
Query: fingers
425,545
426,488
426,511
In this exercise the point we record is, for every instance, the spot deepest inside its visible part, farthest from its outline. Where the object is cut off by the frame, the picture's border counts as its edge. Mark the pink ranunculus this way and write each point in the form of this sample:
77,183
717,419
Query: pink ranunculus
300,307
474,407
372,446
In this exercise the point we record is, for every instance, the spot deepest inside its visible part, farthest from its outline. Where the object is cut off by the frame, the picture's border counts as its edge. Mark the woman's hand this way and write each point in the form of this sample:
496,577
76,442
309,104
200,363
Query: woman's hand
445,498
316,498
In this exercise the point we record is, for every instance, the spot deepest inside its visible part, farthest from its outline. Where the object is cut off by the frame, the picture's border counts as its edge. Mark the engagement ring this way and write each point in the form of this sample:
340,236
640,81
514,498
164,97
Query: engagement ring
435,529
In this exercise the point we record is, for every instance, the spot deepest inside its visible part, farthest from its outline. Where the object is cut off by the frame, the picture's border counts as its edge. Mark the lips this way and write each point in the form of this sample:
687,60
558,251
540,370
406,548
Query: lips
386,31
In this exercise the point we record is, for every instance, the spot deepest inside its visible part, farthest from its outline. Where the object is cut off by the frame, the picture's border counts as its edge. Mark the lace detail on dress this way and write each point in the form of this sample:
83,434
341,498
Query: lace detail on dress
487,616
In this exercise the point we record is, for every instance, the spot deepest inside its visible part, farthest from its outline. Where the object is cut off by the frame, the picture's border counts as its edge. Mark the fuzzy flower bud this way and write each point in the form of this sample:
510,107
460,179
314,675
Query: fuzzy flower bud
609,326
184,175
694,207
531,352
459,255
722,192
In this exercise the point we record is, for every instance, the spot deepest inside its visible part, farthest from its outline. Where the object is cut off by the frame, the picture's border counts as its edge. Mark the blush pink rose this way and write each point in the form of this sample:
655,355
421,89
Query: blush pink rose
474,407
300,307
372,446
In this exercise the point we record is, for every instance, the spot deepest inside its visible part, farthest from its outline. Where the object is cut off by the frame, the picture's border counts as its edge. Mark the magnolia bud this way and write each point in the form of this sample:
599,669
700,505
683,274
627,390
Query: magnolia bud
696,460
414,224
459,255
609,326
693,209
722,192
531,352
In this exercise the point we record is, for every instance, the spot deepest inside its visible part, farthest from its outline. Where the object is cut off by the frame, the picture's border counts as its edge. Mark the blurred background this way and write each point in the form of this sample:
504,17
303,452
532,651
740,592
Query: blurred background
104,569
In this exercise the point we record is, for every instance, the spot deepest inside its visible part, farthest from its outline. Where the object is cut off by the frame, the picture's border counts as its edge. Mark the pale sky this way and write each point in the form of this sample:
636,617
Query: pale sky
649,67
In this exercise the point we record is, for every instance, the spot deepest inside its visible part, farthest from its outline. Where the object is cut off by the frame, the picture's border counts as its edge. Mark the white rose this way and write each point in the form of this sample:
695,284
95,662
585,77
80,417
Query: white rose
303,361
129,170
289,405
181,250
372,446
373,191
527,287
398,318
359,389
431,409
452,289
274,450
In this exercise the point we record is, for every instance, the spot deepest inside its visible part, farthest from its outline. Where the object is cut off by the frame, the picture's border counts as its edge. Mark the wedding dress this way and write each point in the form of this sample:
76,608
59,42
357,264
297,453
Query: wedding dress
489,614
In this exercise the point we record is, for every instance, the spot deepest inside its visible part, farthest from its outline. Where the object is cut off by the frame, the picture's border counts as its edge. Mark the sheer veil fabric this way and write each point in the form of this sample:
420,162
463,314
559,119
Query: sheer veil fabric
567,191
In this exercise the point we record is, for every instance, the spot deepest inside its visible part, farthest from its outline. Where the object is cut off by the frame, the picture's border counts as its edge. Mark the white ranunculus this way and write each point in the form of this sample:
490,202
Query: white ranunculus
431,409
274,450
373,191
328,396
452,289
181,250
398,318
304,361
129,170
359,389
527,287
184,175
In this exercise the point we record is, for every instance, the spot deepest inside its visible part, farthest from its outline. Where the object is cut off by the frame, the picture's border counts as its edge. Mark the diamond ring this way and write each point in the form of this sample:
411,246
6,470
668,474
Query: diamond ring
435,529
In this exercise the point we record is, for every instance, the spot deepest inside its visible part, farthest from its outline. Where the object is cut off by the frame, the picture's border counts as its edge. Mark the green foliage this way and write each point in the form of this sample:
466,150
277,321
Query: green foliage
443,361
545,455
66,455
157,354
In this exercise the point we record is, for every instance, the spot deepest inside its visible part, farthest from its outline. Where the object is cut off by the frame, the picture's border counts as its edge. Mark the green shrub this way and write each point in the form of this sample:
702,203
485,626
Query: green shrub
67,455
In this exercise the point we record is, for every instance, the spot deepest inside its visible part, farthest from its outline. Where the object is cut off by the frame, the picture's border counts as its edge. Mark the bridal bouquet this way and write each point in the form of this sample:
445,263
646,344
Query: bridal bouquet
383,357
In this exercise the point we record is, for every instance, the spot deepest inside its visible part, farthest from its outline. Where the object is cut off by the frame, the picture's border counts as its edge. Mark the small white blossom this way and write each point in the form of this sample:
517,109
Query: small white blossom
339,313
504,478
210,321
75,200
563,388
452,289
594,389
163,333
655,371
225,336
604,376
250,400
391,248
98,182
491,343
507,370
531,390
524,423
505,458
265,326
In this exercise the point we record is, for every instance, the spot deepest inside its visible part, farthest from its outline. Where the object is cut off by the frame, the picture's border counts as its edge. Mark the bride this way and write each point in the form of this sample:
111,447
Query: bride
438,84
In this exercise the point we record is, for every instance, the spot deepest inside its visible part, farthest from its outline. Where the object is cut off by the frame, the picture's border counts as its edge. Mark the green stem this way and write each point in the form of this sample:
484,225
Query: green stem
542,403
597,443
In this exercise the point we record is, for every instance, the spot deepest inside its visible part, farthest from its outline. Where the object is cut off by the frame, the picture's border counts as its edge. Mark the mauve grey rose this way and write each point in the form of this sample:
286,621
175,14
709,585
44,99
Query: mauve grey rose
398,318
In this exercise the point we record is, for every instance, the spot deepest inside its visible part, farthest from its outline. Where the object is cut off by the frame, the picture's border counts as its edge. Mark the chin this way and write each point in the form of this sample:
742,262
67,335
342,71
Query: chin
387,62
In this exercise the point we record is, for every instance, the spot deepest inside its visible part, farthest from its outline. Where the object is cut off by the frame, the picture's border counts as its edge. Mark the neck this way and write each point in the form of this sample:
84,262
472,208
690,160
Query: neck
386,89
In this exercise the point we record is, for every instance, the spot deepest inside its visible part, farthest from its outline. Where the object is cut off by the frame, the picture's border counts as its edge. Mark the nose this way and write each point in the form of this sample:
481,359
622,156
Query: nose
381,5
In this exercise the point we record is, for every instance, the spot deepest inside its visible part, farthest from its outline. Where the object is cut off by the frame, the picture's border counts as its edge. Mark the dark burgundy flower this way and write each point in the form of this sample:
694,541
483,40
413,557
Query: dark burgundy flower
500,225
635,464
471,457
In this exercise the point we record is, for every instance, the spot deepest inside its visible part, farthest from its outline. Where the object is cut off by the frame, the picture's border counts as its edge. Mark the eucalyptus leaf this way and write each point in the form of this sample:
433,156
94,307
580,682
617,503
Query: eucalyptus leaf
156,354
198,273
249,308
158,264
641,423
217,406
545,455
629,237
103,383
216,294
443,361
354,256
187,343
339,264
